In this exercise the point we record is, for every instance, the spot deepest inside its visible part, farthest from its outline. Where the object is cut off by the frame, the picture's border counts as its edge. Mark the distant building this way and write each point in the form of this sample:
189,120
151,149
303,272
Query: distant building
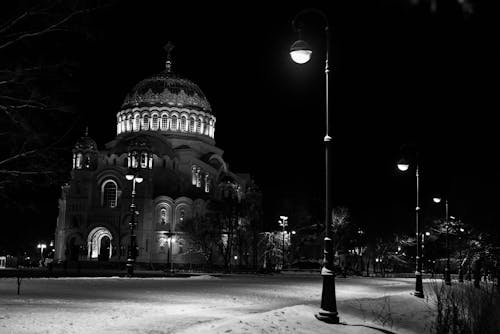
165,130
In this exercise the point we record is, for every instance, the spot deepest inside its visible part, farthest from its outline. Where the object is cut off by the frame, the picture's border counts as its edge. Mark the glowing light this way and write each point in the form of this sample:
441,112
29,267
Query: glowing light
436,200
300,52
403,165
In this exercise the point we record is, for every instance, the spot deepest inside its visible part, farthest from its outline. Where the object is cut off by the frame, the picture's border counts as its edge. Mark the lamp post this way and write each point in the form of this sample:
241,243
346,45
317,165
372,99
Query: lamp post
283,222
447,277
131,254
300,53
170,239
460,269
42,246
403,166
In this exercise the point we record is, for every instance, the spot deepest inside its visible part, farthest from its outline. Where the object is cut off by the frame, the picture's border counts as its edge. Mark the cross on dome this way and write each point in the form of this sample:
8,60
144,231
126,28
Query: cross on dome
169,47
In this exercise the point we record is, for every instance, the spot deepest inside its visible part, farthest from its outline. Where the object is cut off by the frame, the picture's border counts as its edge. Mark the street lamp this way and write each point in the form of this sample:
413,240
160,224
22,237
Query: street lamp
447,277
131,254
300,53
42,246
403,166
283,222
170,239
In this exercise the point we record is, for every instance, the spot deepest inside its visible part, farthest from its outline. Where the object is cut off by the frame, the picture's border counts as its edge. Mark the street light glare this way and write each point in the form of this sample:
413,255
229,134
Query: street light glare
436,200
300,52
403,165
129,177
139,179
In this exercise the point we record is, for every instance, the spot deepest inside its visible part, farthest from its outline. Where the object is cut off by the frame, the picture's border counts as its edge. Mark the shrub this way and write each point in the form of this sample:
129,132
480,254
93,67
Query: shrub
463,309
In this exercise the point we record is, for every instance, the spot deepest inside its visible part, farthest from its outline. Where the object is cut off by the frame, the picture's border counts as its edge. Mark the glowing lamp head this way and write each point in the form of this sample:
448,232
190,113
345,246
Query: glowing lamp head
436,200
403,165
139,179
129,177
427,233
300,52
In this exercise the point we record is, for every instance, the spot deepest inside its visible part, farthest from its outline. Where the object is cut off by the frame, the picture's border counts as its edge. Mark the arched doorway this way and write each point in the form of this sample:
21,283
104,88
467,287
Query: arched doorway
99,244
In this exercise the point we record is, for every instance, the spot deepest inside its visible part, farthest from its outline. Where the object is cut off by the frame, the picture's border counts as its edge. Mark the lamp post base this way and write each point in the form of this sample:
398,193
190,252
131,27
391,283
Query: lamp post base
328,311
328,317
419,289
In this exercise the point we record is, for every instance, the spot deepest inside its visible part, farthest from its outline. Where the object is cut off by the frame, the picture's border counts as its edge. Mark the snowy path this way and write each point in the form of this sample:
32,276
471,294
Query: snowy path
206,304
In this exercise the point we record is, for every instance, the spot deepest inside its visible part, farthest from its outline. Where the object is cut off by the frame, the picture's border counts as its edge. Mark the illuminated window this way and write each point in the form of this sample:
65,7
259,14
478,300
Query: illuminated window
134,162
163,216
137,122
183,123
129,123
145,122
164,122
207,183
154,124
198,178
79,161
173,126
198,126
192,125
193,175
144,160
109,194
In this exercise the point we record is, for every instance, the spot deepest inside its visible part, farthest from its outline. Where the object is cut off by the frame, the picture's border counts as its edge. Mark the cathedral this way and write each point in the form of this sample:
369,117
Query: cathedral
165,136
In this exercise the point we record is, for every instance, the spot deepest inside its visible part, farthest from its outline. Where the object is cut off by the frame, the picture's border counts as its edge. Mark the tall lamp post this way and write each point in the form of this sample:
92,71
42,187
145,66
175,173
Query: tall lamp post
132,249
447,277
283,222
403,166
300,52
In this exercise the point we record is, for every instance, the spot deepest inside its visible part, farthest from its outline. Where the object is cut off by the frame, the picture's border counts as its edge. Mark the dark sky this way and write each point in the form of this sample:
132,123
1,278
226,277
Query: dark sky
400,75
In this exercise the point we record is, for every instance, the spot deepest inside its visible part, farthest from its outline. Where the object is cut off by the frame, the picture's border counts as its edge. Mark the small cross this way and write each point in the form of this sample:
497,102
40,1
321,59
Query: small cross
169,47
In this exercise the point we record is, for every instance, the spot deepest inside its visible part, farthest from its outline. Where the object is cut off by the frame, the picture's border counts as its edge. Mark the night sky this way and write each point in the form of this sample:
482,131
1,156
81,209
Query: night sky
400,75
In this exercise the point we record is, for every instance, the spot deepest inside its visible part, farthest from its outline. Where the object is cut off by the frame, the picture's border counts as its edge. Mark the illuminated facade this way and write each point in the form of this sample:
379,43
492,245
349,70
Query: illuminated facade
165,130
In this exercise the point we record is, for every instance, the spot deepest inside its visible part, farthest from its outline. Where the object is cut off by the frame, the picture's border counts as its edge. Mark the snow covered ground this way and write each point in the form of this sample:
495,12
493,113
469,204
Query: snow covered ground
207,304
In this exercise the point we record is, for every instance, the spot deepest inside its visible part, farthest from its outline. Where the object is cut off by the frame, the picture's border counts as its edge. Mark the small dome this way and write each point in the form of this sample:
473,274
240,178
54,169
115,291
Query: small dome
86,143
167,89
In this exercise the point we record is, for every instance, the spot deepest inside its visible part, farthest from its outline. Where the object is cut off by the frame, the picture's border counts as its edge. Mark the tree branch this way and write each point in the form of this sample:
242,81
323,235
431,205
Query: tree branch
46,30
18,172
17,156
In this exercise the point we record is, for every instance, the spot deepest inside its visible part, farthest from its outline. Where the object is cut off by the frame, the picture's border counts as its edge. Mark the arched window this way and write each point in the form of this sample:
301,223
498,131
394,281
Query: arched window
207,183
183,123
79,161
192,125
154,124
164,122
198,126
173,126
163,216
129,123
144,160
137,122
134,163
145,122
198,178
109,194
193,175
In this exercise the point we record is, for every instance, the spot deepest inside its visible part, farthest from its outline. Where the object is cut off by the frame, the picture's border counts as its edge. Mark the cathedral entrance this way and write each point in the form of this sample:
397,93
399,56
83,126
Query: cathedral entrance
99,244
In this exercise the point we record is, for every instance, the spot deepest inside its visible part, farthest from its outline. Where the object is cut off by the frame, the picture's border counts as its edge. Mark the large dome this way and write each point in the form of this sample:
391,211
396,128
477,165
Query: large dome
167,89
167,104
